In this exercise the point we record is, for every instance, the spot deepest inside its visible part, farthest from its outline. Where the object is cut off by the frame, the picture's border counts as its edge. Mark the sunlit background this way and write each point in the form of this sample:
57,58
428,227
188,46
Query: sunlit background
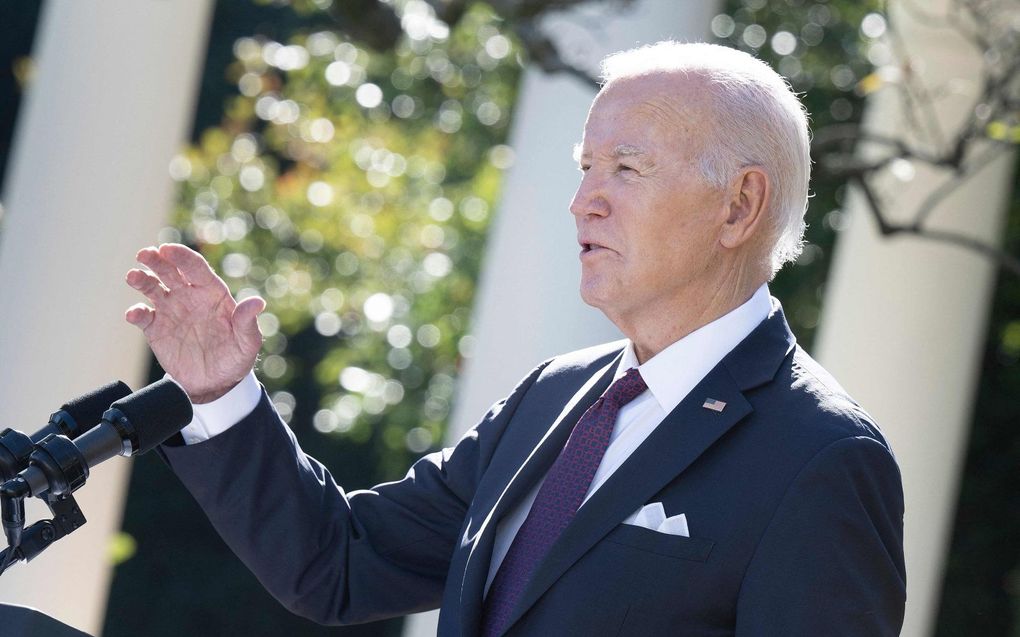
346,165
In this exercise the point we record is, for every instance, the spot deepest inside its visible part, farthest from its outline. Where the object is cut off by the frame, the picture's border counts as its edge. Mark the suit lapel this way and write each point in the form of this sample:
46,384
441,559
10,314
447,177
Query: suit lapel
686,433
517,486
677,442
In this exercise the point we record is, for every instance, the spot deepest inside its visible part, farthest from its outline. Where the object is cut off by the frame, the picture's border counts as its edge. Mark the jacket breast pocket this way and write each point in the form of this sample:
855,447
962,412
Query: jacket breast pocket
685,548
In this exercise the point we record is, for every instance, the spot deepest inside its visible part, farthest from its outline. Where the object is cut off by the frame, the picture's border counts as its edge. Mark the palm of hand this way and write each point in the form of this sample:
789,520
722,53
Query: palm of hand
194,340
199,334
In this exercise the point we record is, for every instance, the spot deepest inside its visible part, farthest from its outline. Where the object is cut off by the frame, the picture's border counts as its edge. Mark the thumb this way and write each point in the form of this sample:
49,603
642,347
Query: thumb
244,318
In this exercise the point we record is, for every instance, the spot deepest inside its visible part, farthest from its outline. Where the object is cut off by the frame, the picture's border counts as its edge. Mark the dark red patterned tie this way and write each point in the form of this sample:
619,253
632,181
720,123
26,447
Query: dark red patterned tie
558,499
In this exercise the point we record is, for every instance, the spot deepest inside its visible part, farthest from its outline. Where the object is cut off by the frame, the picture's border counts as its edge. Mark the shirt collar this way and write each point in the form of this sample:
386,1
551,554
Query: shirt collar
672,373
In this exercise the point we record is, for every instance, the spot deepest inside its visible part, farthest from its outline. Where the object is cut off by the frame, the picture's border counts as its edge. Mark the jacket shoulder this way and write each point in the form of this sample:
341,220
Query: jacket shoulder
833,413
584,361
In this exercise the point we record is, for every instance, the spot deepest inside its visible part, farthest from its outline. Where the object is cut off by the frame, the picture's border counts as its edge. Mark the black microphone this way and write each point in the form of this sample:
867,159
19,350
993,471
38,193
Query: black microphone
130,426
81,414
72,419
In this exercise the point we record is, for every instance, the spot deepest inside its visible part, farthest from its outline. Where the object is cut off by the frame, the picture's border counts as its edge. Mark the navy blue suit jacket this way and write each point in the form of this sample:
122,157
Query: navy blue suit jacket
792,496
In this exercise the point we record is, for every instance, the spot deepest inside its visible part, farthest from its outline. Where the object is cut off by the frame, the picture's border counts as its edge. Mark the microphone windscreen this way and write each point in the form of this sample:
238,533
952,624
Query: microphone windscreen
156,412
88,410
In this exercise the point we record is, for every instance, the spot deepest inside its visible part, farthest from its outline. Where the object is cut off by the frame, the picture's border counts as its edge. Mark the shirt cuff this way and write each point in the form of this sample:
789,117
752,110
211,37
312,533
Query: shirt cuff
212,419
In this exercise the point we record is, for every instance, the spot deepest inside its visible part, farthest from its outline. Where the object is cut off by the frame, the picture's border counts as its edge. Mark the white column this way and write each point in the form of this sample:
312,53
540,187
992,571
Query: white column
904,319
110,103
528,308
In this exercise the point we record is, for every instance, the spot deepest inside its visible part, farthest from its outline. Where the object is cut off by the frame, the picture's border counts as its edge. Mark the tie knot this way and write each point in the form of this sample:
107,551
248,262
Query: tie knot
626,388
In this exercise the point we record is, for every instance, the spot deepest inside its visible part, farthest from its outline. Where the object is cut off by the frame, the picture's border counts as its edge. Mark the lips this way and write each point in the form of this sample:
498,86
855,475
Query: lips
589,245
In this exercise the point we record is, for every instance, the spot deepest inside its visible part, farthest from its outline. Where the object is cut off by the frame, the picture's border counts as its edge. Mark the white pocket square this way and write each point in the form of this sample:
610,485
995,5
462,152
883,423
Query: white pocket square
653,517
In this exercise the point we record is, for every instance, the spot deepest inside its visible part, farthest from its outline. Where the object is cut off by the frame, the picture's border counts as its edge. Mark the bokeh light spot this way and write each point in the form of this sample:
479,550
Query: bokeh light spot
368,95
338,73
321,130
355,379
274,366
502,156
723,26
784,43
236,265
755,36
428,335
252,178
873,26
418,440
437,264
325,421
488,113
319,194
180,168
328,323
399,336
441,209
497,47
378,307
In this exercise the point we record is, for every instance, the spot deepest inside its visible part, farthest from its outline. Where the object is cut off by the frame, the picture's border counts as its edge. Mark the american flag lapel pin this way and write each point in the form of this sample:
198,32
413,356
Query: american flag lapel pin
714,405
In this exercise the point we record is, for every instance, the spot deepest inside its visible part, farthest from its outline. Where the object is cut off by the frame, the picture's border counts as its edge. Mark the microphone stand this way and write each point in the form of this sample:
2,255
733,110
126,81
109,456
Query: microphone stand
67,518
66,469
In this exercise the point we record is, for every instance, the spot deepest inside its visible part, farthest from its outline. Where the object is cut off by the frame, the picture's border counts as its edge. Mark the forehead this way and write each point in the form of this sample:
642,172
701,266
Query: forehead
645,112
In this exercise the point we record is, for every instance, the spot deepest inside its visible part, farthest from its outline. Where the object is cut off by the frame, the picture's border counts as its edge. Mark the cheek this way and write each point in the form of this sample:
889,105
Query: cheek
672,250
658,237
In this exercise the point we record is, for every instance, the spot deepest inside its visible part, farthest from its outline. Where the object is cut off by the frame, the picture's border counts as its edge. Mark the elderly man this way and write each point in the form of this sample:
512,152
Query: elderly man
702,477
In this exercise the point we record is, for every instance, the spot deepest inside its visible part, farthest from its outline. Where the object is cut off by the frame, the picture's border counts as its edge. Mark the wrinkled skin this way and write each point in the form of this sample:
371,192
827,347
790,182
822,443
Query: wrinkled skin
200,335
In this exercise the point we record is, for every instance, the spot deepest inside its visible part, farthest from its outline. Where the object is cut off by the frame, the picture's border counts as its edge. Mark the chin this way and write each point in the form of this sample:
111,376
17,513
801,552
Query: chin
594,295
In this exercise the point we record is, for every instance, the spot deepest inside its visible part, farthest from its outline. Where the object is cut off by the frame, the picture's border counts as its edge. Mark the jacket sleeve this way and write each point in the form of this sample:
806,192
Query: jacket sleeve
831,560
331,556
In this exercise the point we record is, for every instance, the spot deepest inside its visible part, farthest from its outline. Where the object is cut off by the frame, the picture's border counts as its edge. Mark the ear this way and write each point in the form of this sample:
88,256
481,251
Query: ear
749,193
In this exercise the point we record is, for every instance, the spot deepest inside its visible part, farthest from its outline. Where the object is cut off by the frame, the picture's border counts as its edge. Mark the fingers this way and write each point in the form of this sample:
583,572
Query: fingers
245,321
248,309
146,283
165,270
190,263
140,315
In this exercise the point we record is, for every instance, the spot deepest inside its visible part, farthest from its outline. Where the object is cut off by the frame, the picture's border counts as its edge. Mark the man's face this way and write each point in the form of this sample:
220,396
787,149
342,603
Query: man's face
647,221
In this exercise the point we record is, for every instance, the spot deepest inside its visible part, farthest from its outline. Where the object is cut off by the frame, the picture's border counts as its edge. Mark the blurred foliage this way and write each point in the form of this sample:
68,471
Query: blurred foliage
352,190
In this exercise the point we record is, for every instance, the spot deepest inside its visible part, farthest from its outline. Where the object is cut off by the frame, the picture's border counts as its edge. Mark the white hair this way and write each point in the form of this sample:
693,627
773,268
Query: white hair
758,121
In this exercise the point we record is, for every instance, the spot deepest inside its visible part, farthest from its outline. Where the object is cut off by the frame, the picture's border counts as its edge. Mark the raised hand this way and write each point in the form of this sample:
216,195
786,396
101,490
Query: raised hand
200,335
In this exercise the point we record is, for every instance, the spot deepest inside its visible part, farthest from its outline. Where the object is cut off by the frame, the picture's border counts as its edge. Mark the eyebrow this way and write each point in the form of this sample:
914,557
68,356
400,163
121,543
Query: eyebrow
626,150
622,150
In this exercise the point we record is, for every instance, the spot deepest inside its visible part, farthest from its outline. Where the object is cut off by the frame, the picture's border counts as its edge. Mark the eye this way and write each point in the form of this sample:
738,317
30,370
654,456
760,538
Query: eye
584,167
624,168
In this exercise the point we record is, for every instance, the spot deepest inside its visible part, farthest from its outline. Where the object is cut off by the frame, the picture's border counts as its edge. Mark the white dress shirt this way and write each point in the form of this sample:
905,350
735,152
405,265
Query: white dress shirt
670,375
210,419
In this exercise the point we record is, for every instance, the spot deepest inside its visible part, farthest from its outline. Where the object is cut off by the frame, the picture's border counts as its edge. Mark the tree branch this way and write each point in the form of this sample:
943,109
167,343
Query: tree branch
544,53
1001,258
938,195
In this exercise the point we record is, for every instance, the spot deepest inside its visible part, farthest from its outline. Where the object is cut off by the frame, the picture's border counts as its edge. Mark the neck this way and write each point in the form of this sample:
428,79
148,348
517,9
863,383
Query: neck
653,329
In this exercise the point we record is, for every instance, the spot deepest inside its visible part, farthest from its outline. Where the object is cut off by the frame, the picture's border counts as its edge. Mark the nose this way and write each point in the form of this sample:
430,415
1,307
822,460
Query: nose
590,197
